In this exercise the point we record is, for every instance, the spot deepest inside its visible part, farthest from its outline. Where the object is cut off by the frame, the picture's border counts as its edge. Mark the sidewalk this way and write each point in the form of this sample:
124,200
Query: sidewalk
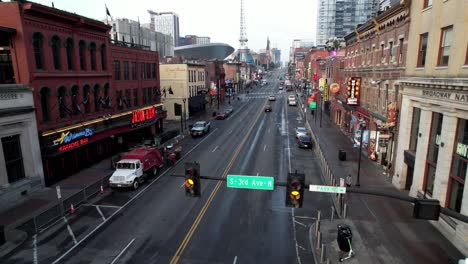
383,228
45,200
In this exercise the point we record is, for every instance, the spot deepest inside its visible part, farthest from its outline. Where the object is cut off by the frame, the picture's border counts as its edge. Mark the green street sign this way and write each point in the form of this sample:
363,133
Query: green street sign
313,105
328,189
250,182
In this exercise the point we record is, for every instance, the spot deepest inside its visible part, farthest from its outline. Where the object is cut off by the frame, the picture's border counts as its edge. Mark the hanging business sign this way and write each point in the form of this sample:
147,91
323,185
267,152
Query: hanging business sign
354,90
325,93
143,115
334,88
69,136
321,84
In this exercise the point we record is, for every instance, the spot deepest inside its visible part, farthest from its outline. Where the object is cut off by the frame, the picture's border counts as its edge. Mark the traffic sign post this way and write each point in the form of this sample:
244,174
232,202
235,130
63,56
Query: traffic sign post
328,189
313,105
250,182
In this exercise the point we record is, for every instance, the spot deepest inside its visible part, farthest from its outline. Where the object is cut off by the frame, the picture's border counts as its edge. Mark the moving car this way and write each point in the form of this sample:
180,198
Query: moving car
268,108
200,128
304,141
301,131
228,109
221,115
292,102
271,98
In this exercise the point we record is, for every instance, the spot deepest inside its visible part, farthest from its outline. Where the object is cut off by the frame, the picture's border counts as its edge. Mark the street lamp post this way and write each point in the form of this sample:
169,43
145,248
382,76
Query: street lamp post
185,113
362,124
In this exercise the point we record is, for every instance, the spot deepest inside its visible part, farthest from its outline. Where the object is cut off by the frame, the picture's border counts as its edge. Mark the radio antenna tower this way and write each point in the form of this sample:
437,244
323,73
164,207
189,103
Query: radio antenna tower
243,34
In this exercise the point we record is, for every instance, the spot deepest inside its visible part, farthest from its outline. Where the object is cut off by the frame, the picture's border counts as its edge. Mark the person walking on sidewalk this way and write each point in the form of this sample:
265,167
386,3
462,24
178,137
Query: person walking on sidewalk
349,180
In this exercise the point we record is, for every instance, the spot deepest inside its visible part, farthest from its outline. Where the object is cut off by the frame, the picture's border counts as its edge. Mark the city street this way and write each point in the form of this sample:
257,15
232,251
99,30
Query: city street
159,224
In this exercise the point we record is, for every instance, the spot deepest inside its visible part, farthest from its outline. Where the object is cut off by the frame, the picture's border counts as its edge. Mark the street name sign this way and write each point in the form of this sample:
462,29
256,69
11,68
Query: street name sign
250,182
328,189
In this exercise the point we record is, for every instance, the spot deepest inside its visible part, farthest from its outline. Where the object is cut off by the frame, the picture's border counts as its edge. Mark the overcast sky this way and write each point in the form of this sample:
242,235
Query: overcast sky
282,21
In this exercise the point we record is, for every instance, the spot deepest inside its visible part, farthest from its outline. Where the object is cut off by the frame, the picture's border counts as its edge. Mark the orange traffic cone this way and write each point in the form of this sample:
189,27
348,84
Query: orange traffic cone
101,190
72,209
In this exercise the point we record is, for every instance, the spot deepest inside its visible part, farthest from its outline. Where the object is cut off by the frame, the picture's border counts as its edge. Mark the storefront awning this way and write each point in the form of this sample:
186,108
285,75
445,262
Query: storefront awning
380,117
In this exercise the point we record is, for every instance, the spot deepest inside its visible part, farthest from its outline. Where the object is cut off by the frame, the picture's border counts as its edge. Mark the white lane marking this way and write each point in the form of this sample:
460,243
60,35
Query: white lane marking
182,185
307,217
289,147
299,223
35,249
235,260
128,202
215,149
264,148
108,206
295,238
121,252
100,212
70,231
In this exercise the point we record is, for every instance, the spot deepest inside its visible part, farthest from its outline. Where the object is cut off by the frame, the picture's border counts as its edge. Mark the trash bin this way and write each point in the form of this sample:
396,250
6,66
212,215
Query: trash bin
2,235
341,155
344,237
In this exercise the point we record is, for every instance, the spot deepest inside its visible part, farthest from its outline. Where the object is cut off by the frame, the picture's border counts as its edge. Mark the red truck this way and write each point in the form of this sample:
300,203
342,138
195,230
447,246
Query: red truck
135,166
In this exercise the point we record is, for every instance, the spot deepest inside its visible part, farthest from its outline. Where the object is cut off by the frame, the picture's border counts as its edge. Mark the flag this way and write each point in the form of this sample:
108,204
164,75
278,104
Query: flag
107,12
52,5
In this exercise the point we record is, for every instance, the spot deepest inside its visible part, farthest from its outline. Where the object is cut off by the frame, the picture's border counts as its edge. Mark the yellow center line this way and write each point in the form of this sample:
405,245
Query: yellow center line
186,240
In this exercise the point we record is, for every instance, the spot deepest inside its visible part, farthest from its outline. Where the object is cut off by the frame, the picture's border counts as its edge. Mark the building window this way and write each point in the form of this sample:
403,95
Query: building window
427,3
75,108
422,50
117,69
433,152
459,167
97,97
143,98
148,71
86,103
103,57
120,100
92,55
135,97
150,95
62,104
13,158
106,102
134,71
415,129
128,98
142,70
69,48
38,42
125,69
444,47
153,71
44,96
400,50
390,50
82,47
55,45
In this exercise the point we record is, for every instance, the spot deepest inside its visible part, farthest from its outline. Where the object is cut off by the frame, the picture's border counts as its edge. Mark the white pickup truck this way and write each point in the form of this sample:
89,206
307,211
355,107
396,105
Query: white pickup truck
200,128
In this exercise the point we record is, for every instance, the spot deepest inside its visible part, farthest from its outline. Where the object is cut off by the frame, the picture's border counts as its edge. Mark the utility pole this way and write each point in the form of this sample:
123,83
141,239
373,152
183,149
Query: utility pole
185,113
362,125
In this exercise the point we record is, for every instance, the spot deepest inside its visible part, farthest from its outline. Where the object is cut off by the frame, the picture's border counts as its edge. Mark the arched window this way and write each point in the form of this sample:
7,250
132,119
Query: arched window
107,101
103,57
38,41
55,44
69,45
97,97
63,109
44,97
82,47
86,103
92,54
75,104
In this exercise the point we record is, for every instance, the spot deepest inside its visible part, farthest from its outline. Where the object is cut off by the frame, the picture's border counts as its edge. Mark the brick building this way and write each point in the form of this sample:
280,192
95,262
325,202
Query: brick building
91,96
375,56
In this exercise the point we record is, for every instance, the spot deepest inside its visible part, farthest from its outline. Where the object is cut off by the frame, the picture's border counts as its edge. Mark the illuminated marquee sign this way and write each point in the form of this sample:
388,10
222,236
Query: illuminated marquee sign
73,144
354,87
70,136
139,116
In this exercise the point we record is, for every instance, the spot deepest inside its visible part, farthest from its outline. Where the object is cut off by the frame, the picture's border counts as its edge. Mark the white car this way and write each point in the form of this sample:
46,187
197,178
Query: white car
292,102
271,98
301,131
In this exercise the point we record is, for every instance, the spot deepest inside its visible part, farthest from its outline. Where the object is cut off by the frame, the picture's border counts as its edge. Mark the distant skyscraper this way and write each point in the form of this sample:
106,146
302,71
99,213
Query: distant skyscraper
167,23
336,18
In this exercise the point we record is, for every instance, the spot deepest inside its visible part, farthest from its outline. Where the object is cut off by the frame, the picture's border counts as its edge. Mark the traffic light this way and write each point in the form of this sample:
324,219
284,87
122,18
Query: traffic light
295,189
192,179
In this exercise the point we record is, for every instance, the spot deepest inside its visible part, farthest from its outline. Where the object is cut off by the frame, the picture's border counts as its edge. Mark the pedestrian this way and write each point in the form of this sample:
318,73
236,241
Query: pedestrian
349,180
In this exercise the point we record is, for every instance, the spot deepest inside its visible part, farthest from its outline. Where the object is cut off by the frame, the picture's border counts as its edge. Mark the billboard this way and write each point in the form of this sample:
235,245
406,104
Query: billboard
354,90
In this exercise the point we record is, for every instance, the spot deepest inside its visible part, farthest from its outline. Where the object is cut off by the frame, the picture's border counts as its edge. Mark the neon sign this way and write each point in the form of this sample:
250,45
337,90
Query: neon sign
139,116
354,87
70,136
73,145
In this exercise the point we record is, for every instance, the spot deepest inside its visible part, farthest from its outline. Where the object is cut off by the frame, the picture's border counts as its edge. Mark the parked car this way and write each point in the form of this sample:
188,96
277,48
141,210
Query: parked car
271,98
268,108
304,141
301,131
200,128
221,115
229,109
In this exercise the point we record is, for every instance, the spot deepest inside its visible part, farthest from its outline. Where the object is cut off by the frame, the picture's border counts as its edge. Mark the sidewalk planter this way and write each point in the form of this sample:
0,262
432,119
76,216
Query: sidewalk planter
341,155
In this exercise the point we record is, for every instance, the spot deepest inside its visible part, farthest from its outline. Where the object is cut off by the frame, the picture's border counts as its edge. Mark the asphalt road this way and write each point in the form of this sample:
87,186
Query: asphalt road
159,224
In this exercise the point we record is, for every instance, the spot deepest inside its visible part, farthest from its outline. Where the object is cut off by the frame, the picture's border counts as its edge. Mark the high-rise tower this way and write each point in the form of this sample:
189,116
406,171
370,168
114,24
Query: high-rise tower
243,34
